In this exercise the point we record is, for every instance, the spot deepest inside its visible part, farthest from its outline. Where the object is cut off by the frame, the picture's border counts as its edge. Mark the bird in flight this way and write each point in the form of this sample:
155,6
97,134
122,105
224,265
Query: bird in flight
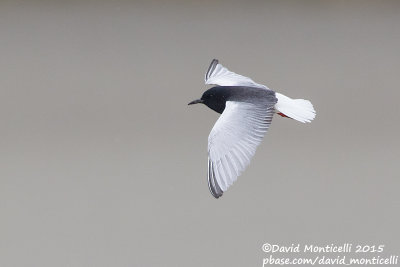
246,110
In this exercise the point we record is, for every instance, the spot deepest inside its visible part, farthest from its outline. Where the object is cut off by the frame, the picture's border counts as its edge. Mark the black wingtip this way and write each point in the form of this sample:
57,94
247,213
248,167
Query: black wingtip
215,190
217,196
215,193
211,68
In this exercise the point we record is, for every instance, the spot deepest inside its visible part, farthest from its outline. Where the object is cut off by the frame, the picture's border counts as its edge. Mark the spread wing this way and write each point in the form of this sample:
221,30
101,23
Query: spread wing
219,75
233,142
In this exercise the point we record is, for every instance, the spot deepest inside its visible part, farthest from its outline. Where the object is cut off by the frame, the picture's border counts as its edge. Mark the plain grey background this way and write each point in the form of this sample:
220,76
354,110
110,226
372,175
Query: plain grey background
102,162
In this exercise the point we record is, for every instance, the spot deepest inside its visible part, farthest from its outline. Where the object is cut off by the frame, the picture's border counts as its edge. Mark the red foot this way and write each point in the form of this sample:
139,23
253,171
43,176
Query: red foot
283,115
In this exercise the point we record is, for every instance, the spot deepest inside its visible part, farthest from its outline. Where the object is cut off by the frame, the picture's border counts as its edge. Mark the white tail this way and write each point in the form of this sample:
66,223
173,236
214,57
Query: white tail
299,109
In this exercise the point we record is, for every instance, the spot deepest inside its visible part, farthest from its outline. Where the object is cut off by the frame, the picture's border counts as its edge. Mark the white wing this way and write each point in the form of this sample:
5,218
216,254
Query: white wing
233,142
219,75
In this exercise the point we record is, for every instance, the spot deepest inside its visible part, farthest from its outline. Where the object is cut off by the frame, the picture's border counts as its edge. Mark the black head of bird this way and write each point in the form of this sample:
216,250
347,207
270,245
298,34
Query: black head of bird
214,98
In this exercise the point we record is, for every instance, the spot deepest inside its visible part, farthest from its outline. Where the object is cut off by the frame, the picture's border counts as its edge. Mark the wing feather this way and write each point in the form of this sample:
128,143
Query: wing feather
212,182
233,142
219,75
